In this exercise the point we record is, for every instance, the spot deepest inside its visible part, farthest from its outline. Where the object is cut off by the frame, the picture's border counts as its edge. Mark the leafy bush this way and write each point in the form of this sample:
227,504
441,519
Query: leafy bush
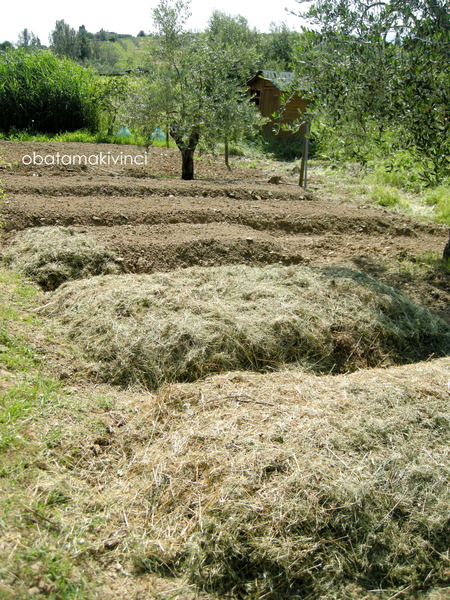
41,92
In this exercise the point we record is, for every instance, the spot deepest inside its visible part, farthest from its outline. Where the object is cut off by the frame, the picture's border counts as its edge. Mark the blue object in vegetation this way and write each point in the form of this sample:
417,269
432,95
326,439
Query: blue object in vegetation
158,135
124,132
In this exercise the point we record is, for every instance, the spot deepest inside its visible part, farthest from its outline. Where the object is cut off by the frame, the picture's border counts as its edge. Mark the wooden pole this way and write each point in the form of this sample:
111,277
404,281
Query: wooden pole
303,181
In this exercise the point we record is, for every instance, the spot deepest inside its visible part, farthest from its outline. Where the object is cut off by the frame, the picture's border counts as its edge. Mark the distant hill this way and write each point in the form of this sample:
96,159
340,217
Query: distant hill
117,53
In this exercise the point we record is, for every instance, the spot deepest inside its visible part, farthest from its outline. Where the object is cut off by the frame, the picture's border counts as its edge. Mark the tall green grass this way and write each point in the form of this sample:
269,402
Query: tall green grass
43,93
439,198
83,136
385,195
2,195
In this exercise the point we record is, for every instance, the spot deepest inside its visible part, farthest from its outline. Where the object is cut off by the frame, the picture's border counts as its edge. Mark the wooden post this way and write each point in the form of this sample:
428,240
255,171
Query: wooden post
303,181
227,162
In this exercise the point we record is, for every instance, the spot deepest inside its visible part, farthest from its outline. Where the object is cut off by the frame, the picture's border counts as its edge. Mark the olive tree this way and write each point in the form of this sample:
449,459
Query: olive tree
191,85
230,38
377,67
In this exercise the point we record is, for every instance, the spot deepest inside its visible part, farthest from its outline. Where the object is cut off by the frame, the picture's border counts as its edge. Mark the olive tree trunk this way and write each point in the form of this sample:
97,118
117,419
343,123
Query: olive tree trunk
187,163
187,146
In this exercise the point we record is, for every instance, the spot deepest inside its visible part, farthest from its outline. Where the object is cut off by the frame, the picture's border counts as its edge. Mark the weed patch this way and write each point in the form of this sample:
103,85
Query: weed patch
385,196
439,199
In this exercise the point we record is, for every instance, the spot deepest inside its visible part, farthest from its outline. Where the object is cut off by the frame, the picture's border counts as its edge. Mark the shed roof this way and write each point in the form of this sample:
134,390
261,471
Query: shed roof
280,79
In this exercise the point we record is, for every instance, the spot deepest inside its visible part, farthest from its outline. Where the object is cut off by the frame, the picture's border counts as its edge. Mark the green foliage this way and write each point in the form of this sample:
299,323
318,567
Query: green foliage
226,31
27,39
426,100
114,57
41,92
6,45
277,50
64,41
105,52
284,148
437,195
112,93
399,170
84,48
194,83
234,45
81,135
389,76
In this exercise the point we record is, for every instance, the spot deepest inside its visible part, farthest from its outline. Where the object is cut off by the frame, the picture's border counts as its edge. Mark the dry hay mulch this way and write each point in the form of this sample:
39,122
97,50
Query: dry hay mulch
52,255
294,486
186,324
283,485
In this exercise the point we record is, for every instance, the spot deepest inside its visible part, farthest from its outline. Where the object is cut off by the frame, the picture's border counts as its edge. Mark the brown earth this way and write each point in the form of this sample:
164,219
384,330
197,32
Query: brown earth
156,222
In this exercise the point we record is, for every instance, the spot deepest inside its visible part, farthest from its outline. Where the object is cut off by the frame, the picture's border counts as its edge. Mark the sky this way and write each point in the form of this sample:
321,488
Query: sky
40,17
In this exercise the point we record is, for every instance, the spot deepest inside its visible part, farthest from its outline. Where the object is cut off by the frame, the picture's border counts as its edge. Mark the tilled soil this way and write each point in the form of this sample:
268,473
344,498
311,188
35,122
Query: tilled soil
155,221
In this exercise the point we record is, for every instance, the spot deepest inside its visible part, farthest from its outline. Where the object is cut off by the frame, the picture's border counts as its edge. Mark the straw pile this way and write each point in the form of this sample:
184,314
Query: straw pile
52,255
288,485
183,325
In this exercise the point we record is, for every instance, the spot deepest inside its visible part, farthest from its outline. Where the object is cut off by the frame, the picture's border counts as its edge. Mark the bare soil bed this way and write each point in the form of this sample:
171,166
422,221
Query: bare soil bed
155,221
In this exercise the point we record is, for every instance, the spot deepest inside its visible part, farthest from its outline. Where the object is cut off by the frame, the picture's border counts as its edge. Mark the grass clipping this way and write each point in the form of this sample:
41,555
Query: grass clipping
183,325
52,255
289,485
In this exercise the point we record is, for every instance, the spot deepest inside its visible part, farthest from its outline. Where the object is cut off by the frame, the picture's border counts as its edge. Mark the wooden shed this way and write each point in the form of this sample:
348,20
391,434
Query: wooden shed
266,89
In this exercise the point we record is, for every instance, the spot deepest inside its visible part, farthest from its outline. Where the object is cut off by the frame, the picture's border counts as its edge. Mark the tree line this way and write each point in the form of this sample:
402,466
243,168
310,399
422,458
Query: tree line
274,49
